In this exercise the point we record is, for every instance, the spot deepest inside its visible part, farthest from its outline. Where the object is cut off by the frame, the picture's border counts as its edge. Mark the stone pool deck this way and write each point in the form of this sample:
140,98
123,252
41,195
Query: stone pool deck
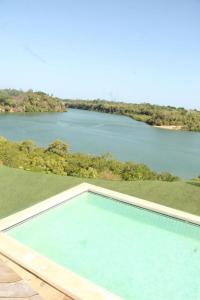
17,283
12,286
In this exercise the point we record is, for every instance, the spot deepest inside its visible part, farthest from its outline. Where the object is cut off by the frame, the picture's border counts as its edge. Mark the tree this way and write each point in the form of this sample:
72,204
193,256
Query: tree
27,146
58,147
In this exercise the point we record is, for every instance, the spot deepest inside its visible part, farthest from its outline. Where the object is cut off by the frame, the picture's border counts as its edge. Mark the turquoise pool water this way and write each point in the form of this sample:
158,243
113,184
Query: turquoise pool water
132,252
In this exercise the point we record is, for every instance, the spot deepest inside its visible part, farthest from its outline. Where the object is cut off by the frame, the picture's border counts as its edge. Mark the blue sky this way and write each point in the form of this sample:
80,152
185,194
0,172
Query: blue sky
134,51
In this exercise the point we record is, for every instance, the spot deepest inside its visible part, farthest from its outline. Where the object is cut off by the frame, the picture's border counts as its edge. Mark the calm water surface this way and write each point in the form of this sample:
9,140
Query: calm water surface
96,133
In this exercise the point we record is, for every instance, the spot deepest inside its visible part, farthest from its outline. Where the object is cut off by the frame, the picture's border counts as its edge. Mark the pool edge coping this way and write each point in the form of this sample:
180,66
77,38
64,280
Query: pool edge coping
76,287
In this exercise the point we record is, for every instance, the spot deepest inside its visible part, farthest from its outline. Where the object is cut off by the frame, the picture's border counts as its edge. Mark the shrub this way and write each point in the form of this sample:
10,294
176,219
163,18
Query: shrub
58,147
58,160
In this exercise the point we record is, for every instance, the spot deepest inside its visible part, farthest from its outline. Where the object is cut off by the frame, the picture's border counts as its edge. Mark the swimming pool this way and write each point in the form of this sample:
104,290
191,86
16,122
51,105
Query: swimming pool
130,251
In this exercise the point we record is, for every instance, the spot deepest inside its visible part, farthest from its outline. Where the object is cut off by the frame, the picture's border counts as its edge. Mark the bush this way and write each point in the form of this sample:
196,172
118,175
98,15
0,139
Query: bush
58,147
166,176
57,159
137,172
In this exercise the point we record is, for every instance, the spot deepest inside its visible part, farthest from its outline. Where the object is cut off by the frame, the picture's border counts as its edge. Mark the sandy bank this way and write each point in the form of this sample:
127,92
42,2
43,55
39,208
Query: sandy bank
169,127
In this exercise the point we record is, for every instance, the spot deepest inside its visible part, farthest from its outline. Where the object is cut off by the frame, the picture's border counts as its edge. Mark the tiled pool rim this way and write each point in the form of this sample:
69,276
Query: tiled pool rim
59,277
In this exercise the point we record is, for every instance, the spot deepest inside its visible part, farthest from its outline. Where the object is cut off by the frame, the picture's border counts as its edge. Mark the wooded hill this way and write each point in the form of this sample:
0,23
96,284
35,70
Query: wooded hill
155,115
12,100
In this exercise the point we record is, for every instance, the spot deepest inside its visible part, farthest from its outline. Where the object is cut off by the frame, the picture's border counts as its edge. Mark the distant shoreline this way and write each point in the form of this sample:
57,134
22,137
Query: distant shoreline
169,127
169,117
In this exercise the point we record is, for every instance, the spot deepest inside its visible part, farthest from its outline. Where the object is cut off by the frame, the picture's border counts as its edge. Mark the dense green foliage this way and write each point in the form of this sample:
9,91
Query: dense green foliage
21,189
57,159
19,101
152,114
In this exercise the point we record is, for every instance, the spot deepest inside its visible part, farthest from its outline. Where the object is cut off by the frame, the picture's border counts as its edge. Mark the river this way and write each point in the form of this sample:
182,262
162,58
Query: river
91,132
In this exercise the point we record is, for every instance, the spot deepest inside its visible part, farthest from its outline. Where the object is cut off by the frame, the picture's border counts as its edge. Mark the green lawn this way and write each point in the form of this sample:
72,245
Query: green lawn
20,189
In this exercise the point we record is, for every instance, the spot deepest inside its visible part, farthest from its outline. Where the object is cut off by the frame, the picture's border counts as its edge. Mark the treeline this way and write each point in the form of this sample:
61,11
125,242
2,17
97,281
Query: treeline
155,115
12,100
57,159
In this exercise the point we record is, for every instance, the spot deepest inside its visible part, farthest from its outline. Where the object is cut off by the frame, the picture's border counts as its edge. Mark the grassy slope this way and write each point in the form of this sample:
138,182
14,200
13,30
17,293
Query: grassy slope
20,189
